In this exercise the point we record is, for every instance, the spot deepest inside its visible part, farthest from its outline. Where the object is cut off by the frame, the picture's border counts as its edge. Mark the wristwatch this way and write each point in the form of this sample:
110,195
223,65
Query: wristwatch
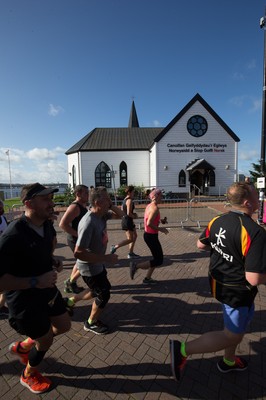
33,282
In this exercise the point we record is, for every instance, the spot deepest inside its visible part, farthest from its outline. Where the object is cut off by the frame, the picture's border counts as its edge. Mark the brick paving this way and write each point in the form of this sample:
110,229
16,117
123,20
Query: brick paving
132,362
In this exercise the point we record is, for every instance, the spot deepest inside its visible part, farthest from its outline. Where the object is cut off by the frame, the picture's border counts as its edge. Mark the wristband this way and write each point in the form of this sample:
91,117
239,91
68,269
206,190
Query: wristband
33,282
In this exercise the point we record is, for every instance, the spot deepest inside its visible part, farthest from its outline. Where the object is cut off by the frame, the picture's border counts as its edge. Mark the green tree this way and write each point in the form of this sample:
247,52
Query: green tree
139,191
256,173
66,197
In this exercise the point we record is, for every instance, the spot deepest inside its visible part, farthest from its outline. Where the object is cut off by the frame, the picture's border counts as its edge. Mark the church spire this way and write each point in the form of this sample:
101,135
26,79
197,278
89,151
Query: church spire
133,118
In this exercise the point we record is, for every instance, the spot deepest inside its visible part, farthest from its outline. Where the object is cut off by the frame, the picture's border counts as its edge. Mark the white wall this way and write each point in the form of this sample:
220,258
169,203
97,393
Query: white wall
160,166
153,166
138,166
72,160
176,151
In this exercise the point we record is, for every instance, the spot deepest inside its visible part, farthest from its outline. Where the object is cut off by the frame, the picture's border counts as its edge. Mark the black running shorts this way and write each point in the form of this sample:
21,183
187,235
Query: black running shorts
36,323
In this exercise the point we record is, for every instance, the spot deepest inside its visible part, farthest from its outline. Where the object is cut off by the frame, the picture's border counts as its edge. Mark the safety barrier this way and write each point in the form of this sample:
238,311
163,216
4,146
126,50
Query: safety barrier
196,211
179,212
203,210
14,212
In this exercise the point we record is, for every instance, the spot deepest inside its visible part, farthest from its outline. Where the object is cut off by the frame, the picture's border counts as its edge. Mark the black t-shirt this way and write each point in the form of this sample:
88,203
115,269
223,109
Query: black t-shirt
75,222
124,205
24,253
238,245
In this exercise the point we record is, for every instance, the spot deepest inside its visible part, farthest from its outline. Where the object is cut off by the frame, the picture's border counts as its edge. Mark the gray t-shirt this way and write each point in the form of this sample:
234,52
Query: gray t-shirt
92,235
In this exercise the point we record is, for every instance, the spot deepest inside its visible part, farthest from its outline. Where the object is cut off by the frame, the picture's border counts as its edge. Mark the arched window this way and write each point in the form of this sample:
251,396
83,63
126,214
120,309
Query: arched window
182,178
103,175
212,177
123,173
209,178
74,181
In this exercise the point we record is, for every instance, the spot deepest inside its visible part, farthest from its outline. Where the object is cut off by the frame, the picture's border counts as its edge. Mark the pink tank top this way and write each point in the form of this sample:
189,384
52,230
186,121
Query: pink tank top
155,221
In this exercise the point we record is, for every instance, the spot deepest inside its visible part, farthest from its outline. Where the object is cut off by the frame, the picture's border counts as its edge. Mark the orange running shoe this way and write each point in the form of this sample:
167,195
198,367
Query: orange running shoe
14,349
35,382
177,360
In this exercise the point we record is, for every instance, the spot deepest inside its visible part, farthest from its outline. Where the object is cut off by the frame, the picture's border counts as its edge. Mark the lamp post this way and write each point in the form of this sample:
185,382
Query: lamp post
9,168
263,129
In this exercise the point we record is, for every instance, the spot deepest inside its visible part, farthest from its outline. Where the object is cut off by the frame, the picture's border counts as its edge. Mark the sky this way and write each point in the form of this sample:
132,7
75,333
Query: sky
69,66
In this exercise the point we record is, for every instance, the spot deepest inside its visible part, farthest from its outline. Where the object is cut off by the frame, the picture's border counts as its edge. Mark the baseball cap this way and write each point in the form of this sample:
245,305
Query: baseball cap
35,189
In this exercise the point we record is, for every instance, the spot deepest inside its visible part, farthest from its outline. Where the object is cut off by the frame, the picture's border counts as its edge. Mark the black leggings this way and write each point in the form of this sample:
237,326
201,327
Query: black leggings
152,241
100,288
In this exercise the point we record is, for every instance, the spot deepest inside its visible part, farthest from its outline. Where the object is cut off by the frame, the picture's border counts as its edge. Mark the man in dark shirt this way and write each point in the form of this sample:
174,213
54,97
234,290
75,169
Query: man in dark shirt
28,275
91,258
237,247
69,223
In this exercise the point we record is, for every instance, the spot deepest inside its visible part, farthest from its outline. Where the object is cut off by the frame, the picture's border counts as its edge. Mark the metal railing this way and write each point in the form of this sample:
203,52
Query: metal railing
179,212
14,212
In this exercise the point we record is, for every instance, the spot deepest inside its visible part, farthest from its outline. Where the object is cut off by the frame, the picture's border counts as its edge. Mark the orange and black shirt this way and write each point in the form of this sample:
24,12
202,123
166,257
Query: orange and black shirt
238,245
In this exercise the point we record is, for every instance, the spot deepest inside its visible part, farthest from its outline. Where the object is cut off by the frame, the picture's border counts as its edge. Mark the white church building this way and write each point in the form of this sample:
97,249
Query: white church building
196,153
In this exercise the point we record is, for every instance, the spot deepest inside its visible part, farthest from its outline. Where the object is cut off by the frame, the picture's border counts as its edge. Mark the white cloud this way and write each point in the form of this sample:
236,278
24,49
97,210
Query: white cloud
13,156
252,64
237,101
40,154
34,165
256,105
55,110
249,155
44,154
156,123
249,102
249,66
238,76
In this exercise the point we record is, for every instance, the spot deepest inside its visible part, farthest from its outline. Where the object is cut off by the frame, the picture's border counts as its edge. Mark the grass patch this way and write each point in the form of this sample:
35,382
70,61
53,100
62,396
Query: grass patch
10,202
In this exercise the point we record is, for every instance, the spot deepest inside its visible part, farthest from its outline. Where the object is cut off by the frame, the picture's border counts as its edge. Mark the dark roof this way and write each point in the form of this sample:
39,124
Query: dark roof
134,137
197,97
116,139
133,118
199,164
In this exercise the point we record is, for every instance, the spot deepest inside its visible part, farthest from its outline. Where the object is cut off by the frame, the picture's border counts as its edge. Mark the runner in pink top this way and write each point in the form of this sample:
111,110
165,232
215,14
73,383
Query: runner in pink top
152,220
156,220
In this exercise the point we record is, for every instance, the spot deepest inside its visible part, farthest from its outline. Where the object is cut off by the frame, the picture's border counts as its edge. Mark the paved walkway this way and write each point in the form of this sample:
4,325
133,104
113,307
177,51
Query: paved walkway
132,362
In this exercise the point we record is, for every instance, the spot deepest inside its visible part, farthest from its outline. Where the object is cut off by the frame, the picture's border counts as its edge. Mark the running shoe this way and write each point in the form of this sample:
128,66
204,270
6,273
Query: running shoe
98,327
72,287
132,255
132,269
240,365
149,281
177,360
14,349
68,307
112,249
35,382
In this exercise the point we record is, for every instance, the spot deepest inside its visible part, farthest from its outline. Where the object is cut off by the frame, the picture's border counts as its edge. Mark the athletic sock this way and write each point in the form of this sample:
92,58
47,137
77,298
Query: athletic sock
228,362
90,321
28,370
27,344
71,302
183,349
